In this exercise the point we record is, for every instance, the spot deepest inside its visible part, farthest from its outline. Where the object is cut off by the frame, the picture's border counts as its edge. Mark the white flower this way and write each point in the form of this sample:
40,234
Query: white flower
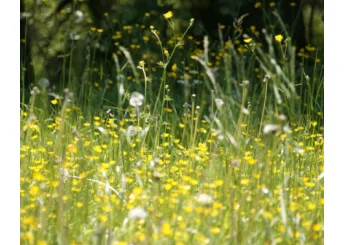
245,111
219,103
245,83
64,174
79,16
270,128
43,82
282,117
121,89
204,199
35,91
74,36
157,175
136,100
235,163
137,213
196,81
299,150
132,131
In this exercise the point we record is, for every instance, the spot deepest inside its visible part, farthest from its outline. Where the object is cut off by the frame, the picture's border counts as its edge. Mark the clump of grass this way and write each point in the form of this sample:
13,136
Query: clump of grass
240,165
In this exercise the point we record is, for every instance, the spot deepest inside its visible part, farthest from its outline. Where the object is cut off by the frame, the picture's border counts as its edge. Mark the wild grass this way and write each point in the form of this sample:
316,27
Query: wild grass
227,150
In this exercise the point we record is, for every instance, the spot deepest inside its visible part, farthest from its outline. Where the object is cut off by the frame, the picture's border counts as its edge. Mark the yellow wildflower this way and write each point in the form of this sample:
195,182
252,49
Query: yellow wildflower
278,37
168,15
247,40
54,102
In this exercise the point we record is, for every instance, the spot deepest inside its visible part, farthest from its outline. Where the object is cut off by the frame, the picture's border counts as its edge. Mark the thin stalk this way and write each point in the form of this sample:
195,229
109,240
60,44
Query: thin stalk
263,109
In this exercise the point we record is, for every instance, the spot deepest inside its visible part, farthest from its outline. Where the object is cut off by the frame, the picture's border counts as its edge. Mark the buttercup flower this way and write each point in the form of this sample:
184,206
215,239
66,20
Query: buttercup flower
247,40
278,37
168,15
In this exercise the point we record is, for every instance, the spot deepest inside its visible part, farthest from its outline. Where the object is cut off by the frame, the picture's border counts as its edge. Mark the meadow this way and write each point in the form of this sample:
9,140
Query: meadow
222,146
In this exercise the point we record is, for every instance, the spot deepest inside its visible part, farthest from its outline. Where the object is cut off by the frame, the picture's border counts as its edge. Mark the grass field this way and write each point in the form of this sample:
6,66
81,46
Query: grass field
234,157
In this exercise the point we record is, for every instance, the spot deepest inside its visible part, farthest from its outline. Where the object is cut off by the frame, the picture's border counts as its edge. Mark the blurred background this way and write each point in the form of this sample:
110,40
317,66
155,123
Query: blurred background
74,40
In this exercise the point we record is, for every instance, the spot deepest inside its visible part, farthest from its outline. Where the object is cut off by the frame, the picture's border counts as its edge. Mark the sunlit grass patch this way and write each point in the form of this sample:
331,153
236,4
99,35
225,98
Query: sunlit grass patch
224,165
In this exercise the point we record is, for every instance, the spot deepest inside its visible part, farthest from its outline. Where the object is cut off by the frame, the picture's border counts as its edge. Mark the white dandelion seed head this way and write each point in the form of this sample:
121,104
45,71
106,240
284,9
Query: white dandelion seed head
219,102
64,174
270,128
299,150
245,82
245,111
286,128
132,131
79,16
152,164
282,117
137,213
43,82
121,89
235,163
157,175
204,199
136,99
74,36
35,91
266,78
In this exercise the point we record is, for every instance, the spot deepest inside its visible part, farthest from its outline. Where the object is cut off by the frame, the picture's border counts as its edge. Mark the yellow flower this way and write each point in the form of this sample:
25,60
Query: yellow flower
54,102
168,15
72,148
278,37
79,204
174,68
257,5
215,230
317,227
244,181
247,40
166,229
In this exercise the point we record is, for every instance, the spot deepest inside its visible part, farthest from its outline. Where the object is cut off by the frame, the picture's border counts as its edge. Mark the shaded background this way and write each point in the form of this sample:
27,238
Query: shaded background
90,31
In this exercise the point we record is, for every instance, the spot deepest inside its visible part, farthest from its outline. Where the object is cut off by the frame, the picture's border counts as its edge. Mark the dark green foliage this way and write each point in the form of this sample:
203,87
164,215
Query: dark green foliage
50,51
